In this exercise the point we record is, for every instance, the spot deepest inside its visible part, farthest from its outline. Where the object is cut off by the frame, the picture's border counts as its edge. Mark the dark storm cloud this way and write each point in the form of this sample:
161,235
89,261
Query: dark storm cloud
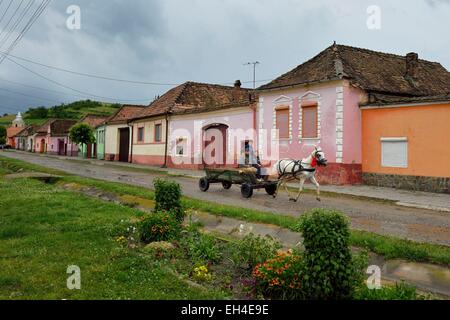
437,2
172,41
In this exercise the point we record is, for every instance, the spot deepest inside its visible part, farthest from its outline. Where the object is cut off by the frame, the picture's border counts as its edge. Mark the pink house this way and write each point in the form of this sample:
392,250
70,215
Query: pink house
53,138
317,103
193,125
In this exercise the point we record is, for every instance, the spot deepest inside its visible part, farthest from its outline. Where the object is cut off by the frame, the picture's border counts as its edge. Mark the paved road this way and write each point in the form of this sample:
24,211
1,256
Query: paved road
383,218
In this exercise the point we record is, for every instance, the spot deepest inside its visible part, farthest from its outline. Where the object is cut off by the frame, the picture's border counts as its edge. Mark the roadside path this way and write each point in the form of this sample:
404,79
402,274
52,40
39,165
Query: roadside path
416,224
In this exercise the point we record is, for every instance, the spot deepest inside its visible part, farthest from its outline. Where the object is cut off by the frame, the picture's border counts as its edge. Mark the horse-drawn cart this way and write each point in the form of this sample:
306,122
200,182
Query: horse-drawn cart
245,177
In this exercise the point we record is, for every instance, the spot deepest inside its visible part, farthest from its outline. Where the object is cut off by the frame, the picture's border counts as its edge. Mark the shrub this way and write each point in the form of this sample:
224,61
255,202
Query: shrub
253,250
401,291
280,277
202,248
159,226
329,270
201,273
168,198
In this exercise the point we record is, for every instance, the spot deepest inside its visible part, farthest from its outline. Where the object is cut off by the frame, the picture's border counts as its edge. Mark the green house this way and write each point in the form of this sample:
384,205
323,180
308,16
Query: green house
100,138
96,149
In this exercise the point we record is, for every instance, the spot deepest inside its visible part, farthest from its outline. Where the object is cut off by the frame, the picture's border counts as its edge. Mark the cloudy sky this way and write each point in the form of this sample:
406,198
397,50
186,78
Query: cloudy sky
173,41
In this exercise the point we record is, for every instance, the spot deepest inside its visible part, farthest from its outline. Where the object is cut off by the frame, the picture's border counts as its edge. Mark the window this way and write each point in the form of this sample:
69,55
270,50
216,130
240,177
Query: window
282,122
309,120
140,136
158,129
181,146
394,152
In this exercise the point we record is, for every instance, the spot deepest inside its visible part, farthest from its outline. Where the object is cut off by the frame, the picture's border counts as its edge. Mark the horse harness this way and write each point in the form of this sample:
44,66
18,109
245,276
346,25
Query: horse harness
296,168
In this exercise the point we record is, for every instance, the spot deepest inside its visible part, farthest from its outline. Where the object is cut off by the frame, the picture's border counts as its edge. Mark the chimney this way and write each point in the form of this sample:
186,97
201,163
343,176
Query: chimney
237,90
412,63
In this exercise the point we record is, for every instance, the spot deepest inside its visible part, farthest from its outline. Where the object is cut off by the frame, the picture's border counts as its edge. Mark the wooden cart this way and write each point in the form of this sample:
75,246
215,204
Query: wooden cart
245,177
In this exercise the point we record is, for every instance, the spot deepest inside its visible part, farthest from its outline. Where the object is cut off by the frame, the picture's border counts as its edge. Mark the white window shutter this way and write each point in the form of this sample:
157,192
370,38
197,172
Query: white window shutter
394,152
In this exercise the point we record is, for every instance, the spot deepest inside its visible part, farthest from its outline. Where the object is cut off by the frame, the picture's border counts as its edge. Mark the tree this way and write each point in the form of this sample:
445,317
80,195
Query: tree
82,134
37,113
2,135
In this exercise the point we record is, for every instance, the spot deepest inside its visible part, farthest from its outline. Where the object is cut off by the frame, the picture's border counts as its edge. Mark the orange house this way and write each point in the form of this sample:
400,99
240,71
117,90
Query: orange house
17,125
406,144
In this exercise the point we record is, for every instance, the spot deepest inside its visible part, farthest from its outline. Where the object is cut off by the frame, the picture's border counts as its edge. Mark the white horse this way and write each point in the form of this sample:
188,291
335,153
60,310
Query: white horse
291,170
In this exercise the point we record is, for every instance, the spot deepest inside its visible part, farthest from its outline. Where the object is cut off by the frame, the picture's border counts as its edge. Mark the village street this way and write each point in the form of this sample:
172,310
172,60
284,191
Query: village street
371,215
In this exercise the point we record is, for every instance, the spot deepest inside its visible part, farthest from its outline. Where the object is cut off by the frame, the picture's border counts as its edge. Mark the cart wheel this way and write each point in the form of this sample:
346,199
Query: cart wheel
270,189
203,184
246,190
226,185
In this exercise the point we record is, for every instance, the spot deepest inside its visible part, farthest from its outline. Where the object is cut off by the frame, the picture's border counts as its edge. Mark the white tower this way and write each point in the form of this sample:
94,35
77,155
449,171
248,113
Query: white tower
18,121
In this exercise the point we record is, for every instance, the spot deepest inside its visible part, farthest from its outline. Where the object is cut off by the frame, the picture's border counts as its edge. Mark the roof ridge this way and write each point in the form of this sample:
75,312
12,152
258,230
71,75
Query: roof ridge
230,87
381,53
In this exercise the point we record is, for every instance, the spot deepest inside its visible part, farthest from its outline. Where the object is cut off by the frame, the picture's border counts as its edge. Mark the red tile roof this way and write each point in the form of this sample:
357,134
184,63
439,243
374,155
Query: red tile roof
58,127
93,120
13,131
370,70
381,100
124,114
193,97
28,131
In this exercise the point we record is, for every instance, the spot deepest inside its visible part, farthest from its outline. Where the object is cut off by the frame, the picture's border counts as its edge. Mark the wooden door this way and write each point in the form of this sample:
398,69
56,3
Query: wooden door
89,151
124,144
216,136
42,146
61,147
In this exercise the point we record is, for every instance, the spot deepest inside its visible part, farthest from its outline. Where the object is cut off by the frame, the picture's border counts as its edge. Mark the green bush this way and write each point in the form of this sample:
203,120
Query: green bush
252,250
330,272
201,248
168,198
401,291
159,226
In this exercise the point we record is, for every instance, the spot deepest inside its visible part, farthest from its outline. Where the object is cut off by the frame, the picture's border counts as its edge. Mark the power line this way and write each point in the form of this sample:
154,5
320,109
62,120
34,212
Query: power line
31,96
23,14
37,13
109,78
7,9
70,88
43,89
88,74
10,18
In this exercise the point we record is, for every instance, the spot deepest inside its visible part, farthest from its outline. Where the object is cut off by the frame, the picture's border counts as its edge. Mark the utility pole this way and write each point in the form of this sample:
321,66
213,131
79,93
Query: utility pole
254,71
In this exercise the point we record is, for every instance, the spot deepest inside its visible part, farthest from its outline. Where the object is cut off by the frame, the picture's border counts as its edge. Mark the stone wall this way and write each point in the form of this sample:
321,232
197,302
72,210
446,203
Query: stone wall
416,183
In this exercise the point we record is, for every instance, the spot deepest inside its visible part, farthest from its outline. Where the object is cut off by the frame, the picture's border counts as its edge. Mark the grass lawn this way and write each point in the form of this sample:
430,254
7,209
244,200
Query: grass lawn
389,247
43,230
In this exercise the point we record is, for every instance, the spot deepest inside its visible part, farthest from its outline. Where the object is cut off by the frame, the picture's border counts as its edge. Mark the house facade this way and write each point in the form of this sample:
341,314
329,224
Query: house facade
179,128
318,103
406,143
17,125
24,140
118,142
53,138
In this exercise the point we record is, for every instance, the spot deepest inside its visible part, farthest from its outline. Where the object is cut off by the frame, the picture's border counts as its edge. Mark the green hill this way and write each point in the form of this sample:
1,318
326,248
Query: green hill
74,110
